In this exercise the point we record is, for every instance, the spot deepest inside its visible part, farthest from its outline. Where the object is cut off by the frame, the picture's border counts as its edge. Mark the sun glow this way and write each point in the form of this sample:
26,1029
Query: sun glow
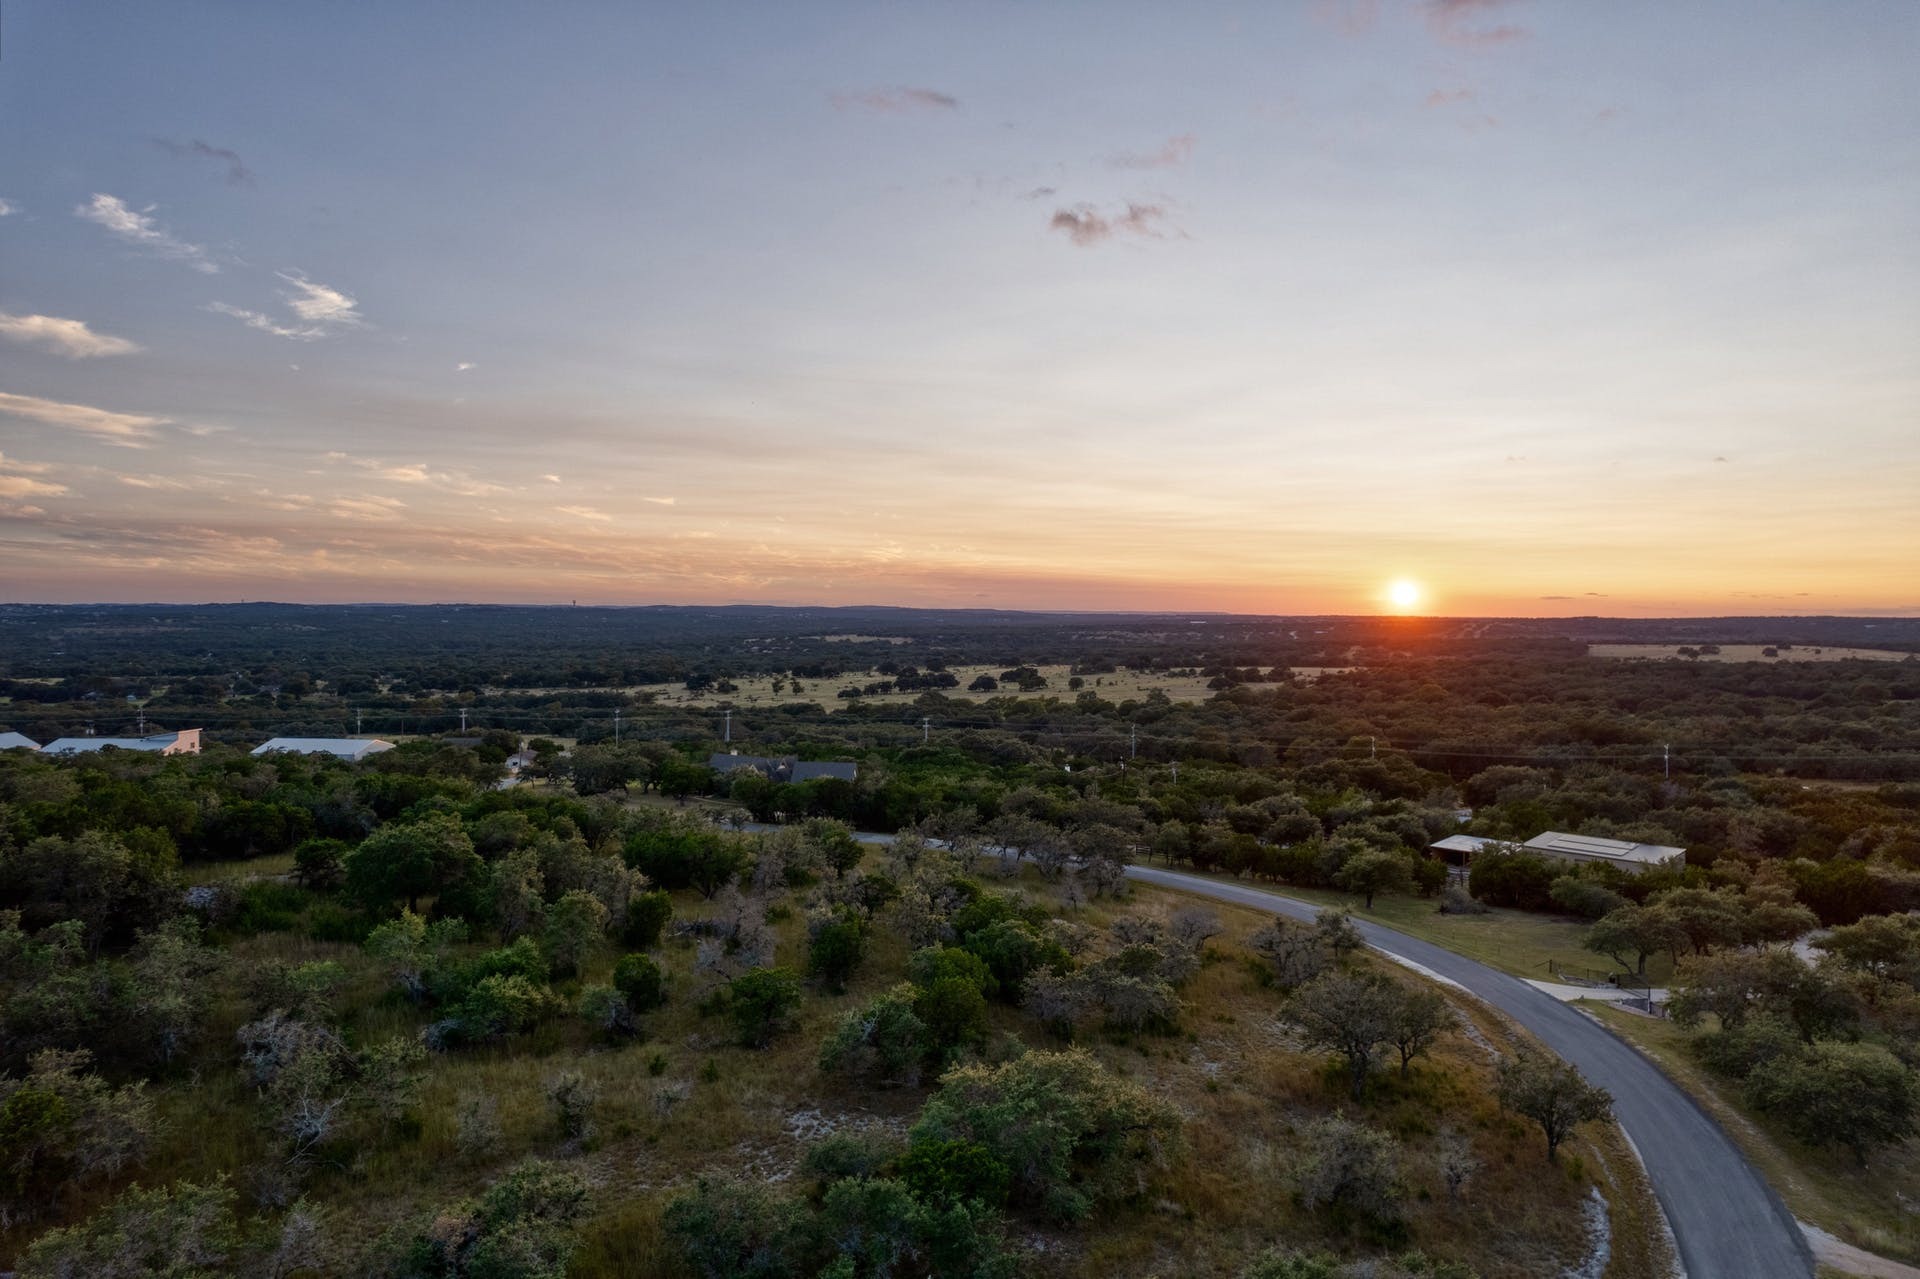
1404,594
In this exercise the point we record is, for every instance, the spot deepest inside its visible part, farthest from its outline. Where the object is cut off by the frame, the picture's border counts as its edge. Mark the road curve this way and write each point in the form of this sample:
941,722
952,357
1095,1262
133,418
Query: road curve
1726,1221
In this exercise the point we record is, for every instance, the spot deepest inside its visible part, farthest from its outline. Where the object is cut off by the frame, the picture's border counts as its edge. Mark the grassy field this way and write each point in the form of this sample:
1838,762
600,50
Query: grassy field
1750,653
1514,941
758,690
1876,1208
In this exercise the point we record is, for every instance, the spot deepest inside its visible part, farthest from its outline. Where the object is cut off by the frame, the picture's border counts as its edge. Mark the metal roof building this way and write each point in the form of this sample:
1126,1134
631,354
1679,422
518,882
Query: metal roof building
16,742
1460,848
341,747
1613,852
785,768
184,742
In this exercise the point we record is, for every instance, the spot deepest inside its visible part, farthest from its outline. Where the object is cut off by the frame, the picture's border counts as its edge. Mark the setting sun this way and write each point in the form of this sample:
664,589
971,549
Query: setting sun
1403,594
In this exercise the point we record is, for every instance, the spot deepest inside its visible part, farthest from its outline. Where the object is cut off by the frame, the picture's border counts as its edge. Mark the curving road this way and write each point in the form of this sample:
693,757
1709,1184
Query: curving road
1727,1223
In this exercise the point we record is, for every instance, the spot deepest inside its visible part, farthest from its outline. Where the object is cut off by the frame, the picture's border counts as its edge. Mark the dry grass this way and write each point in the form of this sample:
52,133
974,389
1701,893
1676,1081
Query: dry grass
1243,1086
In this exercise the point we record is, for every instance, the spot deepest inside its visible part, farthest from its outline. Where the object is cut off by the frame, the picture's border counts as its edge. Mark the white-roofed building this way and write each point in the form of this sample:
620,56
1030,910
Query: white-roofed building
355,748
184,742
16,742
1625,854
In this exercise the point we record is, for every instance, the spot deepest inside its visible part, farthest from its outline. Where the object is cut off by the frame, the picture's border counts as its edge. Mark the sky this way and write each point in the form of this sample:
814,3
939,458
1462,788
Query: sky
1546,308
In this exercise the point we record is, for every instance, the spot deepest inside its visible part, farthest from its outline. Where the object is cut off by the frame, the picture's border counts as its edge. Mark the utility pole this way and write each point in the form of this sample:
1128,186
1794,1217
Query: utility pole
1133,741
616,728
1176,772
926,729
727,739
143,721
89,728
357,717
1666,760
463,719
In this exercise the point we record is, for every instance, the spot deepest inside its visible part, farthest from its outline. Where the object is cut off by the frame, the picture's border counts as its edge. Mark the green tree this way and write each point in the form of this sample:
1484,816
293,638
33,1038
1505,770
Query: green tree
835,949
1350,1014
761,1004
1552,1094
575,925
1854,1095
1373,871
639,978
410,861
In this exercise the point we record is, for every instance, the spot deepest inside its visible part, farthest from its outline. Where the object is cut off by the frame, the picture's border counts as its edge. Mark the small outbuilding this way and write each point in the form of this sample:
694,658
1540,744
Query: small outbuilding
1459,850
354,748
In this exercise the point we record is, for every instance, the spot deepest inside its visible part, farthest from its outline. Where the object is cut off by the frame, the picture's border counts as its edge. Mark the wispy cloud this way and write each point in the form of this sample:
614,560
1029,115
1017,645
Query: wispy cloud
16,480
419,473
1447,97
1470,23
130,430
661,501
136,227
238,174
318,303
161,483
267,324
583,512
898,101
1086,226
464,365
8,208
551,479
1171,154
319,309
71,338
377,510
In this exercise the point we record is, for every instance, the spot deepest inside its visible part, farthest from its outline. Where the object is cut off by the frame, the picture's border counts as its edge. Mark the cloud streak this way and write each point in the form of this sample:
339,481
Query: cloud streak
1465,23
1086,226
897,101
238,174
136,227
1172,154
129,430
70,338
320,309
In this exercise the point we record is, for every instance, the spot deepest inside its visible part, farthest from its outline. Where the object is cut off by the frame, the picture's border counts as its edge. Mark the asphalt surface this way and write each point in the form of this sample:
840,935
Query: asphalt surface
1726,1222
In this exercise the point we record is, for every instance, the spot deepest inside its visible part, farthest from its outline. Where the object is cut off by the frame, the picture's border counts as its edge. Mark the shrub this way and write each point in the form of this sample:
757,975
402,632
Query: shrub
1071,1133
761,1004
575,925
850,1154
884,1042
1350,1167
1854,1095
607,1010
647,916
956,1170
498,1006
836,948
521,1228
734,1229
186,1230
1456,900
933,963
63,1125
320,864
639,978
1517,879
954,1012
572,1097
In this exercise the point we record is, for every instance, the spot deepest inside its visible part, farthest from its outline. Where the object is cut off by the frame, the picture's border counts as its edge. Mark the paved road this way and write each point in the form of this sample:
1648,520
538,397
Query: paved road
1727,1223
